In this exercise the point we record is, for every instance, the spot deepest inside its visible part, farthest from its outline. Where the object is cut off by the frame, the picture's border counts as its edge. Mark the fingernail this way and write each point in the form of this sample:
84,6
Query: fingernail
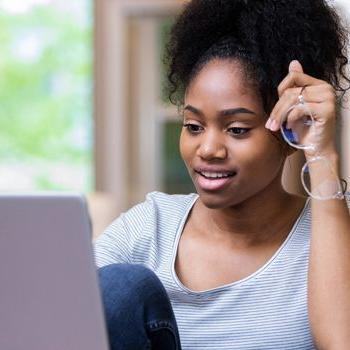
274,125
268,123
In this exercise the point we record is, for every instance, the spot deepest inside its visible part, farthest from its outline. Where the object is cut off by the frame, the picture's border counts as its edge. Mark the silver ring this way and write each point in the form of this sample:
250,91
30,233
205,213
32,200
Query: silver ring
301,97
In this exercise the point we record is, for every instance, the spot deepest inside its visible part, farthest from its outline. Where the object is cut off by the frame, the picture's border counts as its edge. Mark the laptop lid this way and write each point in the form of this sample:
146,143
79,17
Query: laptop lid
49,296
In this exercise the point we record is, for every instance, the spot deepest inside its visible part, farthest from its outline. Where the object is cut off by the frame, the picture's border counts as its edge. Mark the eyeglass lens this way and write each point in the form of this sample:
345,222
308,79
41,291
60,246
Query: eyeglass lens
296,125
297,128
326,184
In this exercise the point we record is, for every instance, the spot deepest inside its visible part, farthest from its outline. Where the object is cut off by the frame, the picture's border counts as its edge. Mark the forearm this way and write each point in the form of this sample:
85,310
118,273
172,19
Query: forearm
329,272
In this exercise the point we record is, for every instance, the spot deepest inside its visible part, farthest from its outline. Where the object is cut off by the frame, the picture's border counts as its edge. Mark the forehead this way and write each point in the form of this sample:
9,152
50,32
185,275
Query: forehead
222,82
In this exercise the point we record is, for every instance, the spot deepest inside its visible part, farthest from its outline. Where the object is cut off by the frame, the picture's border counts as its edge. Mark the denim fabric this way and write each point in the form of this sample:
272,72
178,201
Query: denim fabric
138,312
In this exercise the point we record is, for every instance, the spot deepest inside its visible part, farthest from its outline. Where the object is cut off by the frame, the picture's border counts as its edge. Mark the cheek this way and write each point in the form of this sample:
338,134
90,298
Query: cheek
264,156
183,146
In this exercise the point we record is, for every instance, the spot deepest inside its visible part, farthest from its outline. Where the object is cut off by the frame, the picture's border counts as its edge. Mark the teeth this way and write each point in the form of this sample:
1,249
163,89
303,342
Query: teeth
215,175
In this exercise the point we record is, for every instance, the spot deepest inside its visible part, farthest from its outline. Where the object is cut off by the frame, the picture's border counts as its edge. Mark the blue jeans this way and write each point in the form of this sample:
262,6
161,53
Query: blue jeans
137,308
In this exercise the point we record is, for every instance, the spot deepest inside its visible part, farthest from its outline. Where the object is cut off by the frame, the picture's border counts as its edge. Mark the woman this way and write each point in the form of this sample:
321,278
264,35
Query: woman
241,264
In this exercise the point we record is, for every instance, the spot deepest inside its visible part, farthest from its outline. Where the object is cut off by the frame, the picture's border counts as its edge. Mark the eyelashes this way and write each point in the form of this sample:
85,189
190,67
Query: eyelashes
192,128
239,131
195,129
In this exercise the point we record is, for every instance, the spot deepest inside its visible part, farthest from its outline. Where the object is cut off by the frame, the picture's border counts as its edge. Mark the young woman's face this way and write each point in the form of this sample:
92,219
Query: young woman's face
224,136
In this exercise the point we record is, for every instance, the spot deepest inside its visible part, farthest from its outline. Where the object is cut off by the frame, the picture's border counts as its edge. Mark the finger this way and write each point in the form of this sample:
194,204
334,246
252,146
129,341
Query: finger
298,117
297,126
318,93
295,66
311,94
297,79
288,99
320,112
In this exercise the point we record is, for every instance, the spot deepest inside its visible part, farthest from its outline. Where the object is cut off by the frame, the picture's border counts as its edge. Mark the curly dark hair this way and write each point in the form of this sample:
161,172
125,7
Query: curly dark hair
265,36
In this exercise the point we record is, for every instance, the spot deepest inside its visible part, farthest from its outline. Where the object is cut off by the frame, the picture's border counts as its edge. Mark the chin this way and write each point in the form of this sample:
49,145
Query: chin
217,200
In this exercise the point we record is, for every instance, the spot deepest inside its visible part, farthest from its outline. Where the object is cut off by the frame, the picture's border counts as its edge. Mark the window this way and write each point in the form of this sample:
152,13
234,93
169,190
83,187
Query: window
174,175
45,94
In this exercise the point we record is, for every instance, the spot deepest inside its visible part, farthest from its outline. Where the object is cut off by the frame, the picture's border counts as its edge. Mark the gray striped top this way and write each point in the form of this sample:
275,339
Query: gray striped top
266,310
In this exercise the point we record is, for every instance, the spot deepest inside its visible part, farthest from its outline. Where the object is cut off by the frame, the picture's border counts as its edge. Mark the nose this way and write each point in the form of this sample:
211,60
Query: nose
212,146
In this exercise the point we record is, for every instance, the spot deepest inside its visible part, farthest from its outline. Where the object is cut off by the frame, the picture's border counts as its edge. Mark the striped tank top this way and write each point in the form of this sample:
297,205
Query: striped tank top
266,310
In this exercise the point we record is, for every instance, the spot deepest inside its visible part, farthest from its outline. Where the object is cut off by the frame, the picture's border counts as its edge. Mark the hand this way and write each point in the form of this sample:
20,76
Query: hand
320,98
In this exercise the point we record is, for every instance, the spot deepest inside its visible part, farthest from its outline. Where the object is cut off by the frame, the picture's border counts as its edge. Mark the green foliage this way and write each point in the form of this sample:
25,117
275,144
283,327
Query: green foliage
45,87
176,178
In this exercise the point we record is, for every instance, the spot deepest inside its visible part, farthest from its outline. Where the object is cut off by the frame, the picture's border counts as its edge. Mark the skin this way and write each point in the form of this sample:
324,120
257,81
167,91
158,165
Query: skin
329,262
231,233
321,100
234,231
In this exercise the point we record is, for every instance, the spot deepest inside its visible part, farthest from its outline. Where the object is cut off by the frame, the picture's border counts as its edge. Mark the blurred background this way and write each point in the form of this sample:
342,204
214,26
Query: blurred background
83,108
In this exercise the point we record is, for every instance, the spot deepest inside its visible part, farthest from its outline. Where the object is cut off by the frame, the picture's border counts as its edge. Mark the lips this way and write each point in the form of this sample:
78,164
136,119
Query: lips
214,183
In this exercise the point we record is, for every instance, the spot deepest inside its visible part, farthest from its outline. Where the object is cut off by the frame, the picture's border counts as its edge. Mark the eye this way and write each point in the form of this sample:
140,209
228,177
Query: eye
193,128
238,131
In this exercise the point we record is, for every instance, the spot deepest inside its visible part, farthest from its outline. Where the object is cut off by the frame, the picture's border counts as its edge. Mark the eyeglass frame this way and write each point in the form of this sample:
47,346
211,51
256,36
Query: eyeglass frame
341,183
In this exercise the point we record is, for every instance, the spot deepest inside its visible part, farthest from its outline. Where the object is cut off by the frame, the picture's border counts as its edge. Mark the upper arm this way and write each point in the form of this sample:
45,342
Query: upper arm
112,246
123,236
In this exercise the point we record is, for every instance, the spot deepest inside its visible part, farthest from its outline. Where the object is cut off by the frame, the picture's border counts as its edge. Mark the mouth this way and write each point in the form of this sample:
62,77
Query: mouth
213,181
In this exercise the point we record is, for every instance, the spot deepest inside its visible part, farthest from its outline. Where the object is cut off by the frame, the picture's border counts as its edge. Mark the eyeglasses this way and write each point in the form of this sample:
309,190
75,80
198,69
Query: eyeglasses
298,128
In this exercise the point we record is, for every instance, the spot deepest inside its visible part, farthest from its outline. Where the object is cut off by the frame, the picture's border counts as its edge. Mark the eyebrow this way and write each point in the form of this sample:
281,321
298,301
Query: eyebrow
223,113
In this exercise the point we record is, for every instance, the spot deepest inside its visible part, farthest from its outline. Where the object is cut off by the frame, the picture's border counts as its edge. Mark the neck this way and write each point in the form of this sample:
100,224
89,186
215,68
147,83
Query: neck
265,218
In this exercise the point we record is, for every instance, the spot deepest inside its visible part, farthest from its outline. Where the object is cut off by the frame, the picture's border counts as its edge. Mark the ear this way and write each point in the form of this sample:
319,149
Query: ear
288,150
291,150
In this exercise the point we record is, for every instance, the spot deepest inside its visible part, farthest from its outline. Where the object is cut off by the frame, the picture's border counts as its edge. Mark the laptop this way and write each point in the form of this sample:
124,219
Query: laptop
49,295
